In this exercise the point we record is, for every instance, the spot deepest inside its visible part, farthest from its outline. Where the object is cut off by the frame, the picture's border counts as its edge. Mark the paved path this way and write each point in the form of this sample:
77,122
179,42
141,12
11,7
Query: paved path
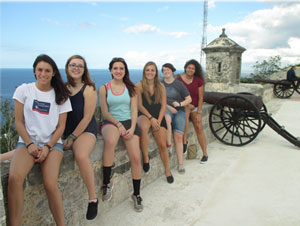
254,185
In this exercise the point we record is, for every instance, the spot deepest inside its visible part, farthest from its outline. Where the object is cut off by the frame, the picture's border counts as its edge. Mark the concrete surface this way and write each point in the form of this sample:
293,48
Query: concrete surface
254,185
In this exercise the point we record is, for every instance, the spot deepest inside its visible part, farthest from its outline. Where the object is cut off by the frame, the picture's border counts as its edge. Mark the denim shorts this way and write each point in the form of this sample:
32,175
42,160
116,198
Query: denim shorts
57,146
178,120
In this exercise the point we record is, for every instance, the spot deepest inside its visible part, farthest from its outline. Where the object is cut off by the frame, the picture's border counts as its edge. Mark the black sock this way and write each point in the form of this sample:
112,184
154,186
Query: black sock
106,174
136,186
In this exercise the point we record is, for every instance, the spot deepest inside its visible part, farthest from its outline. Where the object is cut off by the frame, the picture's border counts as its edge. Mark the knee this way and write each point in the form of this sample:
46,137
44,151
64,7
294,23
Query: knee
15,181
81,157
144,128
135,160
50,186
178,138
109,142
162,147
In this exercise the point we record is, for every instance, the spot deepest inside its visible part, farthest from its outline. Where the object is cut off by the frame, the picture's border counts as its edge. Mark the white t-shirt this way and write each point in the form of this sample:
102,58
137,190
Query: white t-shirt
41,112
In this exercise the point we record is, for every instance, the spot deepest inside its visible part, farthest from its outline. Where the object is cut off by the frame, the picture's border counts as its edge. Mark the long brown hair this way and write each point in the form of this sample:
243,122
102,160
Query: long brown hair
86,79
128,83
158,86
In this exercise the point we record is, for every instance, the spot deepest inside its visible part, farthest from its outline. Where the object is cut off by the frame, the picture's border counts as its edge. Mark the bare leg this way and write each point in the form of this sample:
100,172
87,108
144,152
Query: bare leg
187,121
160,138
169,129
132,146
20,166
178,138
50,170
199,131
111,137
144,125
82,148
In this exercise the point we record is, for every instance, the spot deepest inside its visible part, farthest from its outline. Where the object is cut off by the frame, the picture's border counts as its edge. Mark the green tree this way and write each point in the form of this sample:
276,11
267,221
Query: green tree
9,135
264,69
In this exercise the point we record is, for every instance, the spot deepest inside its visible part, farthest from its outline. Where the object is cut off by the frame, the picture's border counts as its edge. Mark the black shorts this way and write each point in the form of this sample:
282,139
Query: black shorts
126,124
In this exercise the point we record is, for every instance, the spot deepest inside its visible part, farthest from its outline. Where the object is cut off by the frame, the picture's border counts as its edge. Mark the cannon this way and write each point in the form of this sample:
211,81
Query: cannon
237,119
282,88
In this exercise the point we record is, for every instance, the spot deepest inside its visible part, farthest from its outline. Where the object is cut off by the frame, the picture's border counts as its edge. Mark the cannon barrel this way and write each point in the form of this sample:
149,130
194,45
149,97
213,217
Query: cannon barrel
281,82
213,97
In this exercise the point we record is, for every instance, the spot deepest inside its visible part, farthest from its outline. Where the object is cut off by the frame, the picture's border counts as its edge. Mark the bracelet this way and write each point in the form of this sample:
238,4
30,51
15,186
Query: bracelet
119,125
48,146
72,136
27,146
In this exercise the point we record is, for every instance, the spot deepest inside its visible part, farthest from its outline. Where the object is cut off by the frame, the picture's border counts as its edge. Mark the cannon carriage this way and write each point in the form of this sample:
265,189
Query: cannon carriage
282,88
237,119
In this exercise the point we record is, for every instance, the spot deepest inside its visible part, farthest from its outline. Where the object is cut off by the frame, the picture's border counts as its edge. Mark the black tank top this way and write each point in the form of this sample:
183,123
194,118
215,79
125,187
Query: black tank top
76,115
153,109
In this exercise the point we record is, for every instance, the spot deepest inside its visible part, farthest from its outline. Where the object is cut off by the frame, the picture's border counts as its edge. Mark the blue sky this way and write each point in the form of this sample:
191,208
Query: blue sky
139,31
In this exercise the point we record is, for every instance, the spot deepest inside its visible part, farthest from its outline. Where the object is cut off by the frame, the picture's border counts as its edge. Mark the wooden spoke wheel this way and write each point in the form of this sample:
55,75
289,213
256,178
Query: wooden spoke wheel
262,110
283,89
234,124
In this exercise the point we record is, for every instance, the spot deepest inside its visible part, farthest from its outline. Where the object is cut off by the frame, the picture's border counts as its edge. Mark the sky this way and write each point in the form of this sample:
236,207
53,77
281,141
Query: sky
142,31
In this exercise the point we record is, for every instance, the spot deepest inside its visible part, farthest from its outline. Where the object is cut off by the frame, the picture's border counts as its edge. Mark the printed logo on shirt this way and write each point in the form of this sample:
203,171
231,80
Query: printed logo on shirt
41,107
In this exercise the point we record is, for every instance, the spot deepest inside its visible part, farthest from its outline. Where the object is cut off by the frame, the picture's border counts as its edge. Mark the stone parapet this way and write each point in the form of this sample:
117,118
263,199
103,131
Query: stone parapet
75,196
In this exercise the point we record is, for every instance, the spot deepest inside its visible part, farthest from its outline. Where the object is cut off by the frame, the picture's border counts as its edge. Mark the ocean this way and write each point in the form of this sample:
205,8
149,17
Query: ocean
11,78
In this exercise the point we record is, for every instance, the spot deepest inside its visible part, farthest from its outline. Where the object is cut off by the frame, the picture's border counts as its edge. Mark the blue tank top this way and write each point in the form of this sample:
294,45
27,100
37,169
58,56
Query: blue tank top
76,115
118,105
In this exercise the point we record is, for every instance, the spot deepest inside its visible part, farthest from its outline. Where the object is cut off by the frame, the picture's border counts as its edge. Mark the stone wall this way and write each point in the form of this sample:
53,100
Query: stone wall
36,211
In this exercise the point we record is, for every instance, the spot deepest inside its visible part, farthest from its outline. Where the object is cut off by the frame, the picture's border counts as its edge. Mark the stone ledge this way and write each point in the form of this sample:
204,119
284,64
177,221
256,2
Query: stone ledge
36,211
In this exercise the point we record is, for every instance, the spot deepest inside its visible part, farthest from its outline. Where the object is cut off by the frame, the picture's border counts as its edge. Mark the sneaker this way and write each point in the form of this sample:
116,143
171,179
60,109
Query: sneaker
107,191
185,147
170,179
146,166
92,210
137,202
204,159
180,169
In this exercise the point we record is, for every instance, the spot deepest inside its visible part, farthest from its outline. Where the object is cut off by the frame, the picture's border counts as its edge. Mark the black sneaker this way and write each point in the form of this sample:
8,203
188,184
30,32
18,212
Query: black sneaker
170,179
92,210
185,147
204,159
146,166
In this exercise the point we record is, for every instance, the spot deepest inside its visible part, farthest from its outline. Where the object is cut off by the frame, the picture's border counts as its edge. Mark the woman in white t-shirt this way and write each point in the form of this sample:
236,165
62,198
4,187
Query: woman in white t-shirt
41,110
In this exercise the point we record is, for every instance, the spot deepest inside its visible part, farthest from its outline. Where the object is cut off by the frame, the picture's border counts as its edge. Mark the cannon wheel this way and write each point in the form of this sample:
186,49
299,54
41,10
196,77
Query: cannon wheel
234,126
283,91
297,89
262,110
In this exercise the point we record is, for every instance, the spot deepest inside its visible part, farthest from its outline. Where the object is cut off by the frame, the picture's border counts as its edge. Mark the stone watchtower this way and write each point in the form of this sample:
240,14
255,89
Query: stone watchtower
223,63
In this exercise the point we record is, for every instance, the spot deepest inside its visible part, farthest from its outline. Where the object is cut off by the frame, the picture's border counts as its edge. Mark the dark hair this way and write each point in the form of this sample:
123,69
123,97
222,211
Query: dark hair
61,91
129,84
170,66
86,79
198,69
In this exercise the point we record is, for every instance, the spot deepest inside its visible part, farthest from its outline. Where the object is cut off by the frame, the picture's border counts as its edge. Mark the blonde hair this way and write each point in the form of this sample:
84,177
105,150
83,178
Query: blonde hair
158,86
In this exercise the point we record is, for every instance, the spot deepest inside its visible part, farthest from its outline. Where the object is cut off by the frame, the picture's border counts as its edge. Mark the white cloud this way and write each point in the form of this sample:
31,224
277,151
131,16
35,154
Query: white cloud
267,32
56,23
147,28
211,4
163,9
113,18
142,28
86,25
